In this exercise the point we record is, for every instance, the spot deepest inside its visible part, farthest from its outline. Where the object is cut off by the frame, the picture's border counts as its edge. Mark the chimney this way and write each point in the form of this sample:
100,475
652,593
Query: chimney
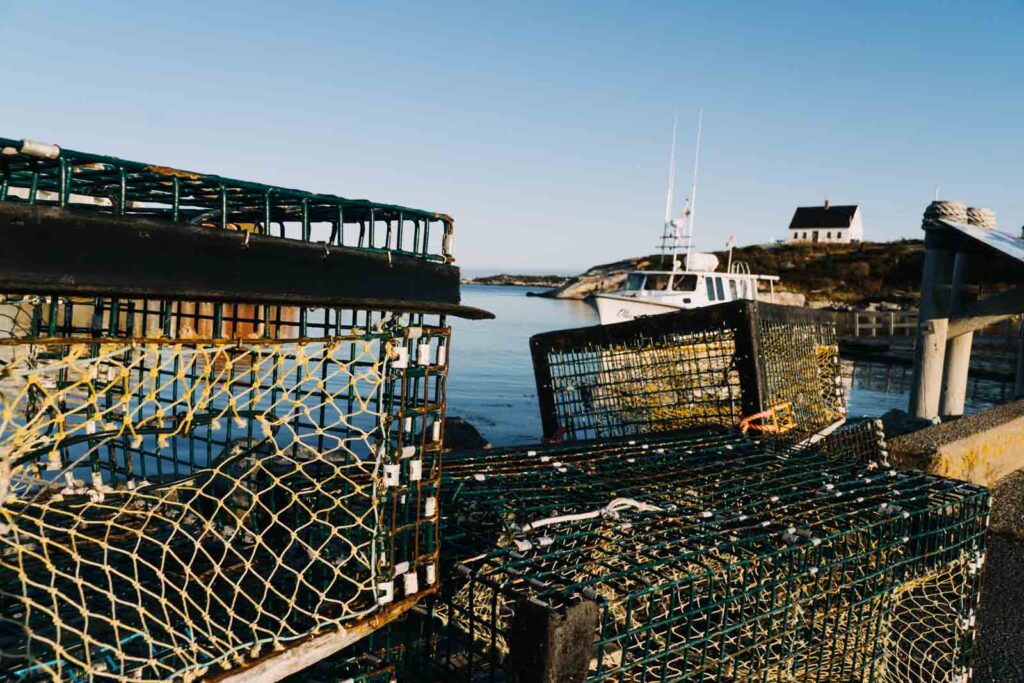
826,203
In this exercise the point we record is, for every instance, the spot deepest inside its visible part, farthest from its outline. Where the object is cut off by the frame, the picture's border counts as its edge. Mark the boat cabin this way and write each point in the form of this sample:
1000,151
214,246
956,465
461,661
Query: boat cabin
693,289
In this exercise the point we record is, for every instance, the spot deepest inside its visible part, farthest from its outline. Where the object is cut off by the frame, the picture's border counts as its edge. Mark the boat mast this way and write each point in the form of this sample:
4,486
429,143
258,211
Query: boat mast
670,233
692,202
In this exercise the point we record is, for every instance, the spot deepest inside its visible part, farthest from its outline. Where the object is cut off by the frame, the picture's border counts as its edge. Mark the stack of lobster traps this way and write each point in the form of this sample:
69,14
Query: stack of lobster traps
221,415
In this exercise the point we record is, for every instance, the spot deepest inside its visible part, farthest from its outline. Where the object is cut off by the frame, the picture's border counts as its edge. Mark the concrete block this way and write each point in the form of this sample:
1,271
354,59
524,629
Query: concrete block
980,448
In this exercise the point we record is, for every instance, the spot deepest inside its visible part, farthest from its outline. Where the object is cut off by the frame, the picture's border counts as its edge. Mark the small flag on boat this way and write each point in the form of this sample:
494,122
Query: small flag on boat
729,242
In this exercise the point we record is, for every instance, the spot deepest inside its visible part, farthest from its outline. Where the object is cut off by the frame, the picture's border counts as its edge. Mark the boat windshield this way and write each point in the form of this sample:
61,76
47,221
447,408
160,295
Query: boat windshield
657,283
684,283
634,282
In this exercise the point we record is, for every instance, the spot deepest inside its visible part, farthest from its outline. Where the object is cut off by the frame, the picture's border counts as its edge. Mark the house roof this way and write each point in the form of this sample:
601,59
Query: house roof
823,217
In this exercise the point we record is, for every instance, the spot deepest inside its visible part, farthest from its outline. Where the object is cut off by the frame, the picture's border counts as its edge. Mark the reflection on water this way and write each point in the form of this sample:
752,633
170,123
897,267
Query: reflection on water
491,375
874,388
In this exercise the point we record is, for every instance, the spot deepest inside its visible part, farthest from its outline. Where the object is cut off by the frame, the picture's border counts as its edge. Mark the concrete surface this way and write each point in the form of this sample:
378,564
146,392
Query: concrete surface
980,448
1000,646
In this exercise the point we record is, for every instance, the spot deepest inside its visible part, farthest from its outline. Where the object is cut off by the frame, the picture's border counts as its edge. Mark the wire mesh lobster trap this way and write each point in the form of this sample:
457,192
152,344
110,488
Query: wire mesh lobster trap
702,555
221,410
765,367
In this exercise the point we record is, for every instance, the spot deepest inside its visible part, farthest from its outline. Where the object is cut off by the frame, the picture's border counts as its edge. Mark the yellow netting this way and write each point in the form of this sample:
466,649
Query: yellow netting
171,506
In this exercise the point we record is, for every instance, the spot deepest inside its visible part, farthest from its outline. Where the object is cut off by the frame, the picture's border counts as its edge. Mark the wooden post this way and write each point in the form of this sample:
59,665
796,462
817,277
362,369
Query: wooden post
929,360
958,350
552,646
932,320
1018,385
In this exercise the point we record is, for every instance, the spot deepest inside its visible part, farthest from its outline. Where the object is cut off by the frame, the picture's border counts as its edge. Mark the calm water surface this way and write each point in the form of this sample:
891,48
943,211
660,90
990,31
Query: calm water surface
491,375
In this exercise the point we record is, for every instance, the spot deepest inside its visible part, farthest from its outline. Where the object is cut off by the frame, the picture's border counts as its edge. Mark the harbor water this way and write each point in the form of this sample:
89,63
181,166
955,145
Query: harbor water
491,380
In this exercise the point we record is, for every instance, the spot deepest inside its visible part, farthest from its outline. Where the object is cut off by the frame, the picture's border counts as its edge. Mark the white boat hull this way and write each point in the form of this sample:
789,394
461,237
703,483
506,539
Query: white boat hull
617,309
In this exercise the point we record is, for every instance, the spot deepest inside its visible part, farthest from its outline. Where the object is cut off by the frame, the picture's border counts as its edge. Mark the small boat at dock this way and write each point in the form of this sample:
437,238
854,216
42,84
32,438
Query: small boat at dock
688,278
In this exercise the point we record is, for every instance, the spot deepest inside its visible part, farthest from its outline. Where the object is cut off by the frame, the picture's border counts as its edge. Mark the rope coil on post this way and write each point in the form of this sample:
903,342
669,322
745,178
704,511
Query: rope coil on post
981,217
943,210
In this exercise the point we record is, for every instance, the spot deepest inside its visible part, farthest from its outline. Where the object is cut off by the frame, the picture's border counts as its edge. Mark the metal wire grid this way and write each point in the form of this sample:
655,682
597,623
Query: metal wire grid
715,365
762,563
46,174
348,668
859,441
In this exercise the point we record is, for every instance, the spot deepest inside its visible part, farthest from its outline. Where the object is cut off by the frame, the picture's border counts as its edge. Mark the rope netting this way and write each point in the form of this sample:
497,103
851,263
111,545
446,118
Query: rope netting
801,368
734,559
170,505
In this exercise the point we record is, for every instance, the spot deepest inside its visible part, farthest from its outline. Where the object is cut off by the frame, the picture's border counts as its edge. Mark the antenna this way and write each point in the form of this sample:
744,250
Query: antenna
668,234
936,197
693,190
671,171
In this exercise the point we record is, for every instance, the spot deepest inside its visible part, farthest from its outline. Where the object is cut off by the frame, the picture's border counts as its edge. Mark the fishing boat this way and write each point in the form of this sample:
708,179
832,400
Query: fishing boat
687,278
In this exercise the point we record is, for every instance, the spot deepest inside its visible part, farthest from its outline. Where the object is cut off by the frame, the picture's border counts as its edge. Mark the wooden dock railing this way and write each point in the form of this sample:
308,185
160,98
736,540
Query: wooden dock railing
862,324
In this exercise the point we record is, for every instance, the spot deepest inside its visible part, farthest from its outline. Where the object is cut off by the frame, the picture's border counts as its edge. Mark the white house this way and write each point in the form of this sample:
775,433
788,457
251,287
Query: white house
826,223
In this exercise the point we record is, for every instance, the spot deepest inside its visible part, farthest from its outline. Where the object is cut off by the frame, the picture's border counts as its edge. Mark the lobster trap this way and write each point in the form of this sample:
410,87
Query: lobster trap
221,411
701,555
767,368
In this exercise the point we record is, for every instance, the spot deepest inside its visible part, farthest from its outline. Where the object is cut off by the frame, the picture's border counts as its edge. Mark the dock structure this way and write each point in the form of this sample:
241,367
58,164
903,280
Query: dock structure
221,419
950,311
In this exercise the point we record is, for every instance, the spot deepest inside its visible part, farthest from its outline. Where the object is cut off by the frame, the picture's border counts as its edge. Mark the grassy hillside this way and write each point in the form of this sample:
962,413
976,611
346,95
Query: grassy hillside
842,272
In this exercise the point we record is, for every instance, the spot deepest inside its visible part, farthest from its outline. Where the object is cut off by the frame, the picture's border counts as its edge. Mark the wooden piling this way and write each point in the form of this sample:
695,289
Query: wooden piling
958,349
929,361
1018,385
932,324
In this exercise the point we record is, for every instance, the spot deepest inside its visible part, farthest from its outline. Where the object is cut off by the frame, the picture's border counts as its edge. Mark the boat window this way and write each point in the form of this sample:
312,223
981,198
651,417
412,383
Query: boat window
732,289
657,283
684,283
743,289
720,289
711,288
634,282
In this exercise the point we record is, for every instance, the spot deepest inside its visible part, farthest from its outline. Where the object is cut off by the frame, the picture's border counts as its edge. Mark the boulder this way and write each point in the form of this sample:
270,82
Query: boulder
459,434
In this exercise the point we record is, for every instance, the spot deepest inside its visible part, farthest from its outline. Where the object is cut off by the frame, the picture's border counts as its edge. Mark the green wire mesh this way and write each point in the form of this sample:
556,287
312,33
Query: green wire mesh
186,486
37,173
362,667
776,366
860,440
712,556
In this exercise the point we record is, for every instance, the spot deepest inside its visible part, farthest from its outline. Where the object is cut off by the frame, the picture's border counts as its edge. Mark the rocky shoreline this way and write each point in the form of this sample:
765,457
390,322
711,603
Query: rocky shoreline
505,280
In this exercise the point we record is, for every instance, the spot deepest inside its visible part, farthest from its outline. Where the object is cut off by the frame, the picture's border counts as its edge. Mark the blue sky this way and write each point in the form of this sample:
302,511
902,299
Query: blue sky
544,127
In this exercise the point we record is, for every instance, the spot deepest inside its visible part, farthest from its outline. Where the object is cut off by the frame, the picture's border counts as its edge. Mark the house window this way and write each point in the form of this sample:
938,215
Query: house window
828,235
